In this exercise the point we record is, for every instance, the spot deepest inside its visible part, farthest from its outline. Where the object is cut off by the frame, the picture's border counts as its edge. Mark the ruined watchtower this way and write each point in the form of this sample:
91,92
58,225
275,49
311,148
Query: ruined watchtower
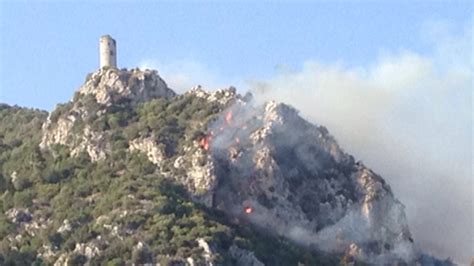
108,52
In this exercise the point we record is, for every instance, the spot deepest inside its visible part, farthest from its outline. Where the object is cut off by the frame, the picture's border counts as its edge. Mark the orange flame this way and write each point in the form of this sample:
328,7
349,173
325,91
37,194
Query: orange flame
204,143
228,118
248,210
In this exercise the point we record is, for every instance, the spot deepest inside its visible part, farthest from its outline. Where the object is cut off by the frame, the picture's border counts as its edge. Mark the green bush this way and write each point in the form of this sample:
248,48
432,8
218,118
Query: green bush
24,199
5,226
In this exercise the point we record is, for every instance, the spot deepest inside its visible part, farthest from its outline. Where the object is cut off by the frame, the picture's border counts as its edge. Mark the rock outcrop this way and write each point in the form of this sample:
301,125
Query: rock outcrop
69,124
111,85
149,147
299,183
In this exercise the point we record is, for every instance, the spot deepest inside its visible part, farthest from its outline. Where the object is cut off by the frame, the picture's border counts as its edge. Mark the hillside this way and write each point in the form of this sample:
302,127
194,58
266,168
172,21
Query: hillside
129,172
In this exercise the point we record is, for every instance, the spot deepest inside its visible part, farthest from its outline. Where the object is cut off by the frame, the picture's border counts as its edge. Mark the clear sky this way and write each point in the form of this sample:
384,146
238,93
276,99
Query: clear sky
48,47
392,80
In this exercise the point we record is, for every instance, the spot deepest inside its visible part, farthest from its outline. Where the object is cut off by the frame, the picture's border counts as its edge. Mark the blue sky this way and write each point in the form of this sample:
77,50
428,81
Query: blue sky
47,48
392,80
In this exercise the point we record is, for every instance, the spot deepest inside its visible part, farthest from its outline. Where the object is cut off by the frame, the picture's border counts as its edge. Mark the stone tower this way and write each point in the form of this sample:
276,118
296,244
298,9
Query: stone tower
108,52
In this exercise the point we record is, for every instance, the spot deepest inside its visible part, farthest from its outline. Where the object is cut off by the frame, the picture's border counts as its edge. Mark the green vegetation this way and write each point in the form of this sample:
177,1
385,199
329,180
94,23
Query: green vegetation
119,203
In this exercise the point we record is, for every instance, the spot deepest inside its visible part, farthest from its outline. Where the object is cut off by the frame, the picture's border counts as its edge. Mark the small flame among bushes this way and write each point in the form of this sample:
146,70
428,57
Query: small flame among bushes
205,142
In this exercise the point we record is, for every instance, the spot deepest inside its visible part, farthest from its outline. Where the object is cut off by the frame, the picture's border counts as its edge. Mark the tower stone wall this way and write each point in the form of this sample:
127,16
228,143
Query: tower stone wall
108,52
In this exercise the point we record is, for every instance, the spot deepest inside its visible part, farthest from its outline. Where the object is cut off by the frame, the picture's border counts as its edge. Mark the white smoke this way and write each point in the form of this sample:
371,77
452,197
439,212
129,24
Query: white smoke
181,75
409,117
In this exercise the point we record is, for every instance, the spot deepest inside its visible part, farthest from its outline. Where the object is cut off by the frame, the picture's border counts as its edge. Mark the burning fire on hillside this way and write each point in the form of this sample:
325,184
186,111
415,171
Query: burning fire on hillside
233,129
205,142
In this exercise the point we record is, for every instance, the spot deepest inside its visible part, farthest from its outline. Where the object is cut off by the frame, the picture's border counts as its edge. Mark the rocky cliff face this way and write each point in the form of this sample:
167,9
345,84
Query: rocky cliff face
288,176
69,124
261,165
111,85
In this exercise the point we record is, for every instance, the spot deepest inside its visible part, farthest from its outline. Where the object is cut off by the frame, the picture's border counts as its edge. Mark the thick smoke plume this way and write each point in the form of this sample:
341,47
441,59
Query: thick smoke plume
409,117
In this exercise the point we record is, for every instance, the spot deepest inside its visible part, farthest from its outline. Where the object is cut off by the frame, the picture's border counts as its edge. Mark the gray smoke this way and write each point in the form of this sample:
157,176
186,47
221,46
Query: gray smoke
409,117
351,226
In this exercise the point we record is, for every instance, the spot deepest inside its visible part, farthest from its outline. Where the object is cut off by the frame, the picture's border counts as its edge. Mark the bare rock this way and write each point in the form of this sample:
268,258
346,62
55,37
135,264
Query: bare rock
65,227
19,215
70,124
149,147
221,96
302,185
110,85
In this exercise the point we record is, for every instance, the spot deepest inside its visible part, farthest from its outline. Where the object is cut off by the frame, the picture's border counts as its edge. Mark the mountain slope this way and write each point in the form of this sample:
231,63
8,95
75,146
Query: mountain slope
130,172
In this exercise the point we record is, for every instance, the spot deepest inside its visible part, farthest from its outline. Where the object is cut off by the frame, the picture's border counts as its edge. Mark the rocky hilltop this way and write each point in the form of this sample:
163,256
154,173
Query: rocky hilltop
130,172
102,89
